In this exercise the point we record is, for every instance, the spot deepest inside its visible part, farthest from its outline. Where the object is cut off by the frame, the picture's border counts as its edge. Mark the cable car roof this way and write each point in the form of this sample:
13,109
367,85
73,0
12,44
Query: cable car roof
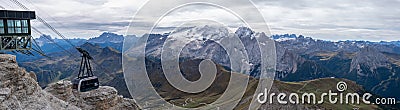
12,14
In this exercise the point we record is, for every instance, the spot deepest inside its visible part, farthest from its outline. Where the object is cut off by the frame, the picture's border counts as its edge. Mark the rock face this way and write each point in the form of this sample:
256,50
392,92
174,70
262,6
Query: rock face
103,98
369,57
19,90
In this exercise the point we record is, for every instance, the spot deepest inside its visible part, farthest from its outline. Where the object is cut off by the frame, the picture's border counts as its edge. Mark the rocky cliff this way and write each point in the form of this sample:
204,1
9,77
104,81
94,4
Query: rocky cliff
19,90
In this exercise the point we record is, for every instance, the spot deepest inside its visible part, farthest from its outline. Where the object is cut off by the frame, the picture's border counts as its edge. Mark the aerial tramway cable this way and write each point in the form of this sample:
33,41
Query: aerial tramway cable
27,52
86,80
51,40
52,18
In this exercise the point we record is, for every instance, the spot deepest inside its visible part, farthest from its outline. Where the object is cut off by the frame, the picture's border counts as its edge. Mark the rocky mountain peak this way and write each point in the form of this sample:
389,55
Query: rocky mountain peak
244,31
107,37
45,37
370,57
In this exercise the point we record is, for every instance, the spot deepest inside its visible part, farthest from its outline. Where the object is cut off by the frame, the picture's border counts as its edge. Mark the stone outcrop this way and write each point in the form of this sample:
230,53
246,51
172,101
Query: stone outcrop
103,98
19,89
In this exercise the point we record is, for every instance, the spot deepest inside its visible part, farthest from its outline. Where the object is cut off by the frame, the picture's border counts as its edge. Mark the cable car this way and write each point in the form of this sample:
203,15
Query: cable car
85,84
15,30
85,81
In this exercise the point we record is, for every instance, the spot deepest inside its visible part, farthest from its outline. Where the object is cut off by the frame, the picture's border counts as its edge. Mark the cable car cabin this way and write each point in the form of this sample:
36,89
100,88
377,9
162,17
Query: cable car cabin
15,30
85,84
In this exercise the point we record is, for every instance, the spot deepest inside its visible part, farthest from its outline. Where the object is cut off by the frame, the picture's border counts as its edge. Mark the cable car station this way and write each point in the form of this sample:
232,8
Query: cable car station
15,30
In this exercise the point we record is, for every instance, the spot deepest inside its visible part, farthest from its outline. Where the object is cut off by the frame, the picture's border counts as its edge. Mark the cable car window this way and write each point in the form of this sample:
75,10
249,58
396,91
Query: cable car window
25,26
18,26
11,26
2,26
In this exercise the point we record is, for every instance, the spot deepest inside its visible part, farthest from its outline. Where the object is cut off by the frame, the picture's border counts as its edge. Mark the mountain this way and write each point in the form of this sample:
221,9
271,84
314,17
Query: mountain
371,64
374,65
284,37
130,40
202,42
46,43
52,45
115,41
397,43
108,39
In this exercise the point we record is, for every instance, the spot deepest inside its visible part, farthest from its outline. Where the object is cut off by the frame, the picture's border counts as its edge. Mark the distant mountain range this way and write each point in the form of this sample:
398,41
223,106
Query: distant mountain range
51,45
104,40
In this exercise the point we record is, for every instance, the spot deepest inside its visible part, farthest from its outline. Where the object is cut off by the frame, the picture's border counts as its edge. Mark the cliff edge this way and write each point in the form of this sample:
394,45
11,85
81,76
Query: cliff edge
19,89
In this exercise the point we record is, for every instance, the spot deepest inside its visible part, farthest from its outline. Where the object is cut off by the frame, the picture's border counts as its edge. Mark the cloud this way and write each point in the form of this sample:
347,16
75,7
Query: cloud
80,18
335,20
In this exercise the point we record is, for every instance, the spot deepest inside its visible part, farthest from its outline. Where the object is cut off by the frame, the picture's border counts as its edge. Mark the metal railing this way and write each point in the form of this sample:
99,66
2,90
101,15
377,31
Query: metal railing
11,43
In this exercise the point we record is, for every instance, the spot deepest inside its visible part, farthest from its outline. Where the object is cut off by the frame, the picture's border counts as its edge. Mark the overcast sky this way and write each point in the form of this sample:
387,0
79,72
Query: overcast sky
372,20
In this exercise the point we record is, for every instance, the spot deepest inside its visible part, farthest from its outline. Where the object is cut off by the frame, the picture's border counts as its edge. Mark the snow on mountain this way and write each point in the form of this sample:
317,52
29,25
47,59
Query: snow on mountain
201,32
43,39
107,37
244,32
285,37
207,42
